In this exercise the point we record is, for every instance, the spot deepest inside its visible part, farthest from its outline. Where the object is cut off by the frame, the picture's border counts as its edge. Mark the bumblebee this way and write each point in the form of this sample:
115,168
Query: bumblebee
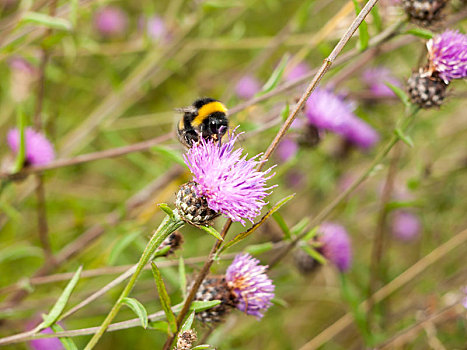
206,117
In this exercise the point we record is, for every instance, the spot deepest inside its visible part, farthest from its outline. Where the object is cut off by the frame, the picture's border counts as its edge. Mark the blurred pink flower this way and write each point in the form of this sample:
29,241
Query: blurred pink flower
297,72
287,149
376,79
46,343
39,150
156,29
247,87
326,110
337,247
405,225
111,21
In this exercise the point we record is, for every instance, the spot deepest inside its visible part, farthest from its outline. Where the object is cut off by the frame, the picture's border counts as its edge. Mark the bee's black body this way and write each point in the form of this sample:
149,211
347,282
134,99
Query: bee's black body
206,117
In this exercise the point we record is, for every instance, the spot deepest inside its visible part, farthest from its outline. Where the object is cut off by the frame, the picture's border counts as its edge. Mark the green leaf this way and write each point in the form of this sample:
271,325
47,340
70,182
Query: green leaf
161,252
160,326
280,302
300,226
275,77
74,6
283,225
363,35
120,246
310,234
405,138
285,112
377,18
46,21
164,298
314,254
188,322
67,342
259,248
202,346
400,94
169,154
245,234
167,210
138,309
182,276
10,211
211,230
199,306
19,251
57,309
421,33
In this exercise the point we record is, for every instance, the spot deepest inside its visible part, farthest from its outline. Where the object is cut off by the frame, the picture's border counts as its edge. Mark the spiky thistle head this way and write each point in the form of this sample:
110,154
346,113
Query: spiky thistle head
250,284
228,181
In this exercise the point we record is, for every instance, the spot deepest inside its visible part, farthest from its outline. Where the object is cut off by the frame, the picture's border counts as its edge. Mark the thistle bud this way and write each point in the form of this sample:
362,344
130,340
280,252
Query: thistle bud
192,208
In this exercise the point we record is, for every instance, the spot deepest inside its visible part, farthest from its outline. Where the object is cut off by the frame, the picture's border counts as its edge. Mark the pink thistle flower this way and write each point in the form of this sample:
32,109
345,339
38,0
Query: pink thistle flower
39,150
447,55
336,245
326,110
227,180
247,87
111,21
250,284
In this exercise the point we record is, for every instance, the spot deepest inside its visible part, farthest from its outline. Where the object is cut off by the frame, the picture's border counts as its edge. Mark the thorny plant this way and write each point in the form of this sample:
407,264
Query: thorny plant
177,218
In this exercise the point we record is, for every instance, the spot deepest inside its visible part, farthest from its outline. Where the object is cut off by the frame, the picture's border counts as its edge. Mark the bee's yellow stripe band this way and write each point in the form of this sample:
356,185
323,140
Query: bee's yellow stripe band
206,110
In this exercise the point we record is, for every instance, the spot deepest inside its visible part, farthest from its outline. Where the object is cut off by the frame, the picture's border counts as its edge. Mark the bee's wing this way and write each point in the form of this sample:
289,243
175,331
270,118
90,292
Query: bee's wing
189,109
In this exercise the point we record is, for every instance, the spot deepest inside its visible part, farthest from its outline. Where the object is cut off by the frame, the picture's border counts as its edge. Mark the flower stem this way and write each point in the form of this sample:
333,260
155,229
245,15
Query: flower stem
168,225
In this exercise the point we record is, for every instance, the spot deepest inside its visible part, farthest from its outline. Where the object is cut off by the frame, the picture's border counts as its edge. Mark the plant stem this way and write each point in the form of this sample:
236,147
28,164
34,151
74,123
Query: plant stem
167,226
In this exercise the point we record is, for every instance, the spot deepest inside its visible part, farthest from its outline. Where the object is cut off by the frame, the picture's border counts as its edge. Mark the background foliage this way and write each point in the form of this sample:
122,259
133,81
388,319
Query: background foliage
104,92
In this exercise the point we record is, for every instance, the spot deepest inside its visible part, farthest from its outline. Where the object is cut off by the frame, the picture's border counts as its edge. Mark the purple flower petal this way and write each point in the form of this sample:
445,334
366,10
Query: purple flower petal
287,149
46,343
447,54
325,110
250,284
228,180
297,72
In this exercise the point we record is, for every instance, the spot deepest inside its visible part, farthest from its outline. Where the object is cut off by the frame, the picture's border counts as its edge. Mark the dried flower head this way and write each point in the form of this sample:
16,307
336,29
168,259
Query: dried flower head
447,55
326,110
186,339
215,288
247,87
228,181
336,245
250,284
39,150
